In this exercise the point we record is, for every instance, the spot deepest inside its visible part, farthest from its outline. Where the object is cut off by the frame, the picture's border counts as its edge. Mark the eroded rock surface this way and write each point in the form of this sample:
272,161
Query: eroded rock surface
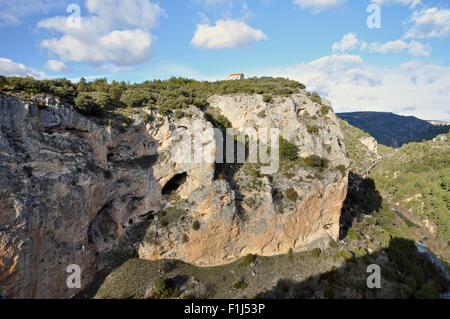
71,188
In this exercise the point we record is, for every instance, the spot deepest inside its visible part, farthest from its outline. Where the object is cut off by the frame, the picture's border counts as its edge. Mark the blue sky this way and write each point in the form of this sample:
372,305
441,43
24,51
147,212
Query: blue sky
403,66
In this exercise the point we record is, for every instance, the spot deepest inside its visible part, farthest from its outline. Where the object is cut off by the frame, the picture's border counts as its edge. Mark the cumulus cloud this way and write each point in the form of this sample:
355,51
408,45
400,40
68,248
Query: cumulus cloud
317,6
350,42
56,66
410,3
12,12
226,34
323,74
215,2
414,48
417,49
10,68
115,33
413,88
429,23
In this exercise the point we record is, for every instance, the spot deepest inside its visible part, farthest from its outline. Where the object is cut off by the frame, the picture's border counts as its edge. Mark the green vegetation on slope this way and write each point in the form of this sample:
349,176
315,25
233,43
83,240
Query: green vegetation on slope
361,159
417,176
391,129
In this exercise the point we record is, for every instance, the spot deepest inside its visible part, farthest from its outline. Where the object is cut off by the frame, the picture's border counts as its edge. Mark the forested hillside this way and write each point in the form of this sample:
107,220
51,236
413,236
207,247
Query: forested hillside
393,130
417,176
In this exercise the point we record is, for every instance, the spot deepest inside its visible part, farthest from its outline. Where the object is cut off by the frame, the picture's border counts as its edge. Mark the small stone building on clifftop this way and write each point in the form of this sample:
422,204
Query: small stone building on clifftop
236,76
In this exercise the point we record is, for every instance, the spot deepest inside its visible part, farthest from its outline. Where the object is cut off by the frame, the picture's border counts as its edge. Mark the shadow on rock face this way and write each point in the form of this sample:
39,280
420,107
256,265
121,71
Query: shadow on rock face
362,199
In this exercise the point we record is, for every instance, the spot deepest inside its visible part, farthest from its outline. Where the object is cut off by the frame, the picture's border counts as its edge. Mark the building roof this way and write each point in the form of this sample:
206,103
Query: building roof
233,74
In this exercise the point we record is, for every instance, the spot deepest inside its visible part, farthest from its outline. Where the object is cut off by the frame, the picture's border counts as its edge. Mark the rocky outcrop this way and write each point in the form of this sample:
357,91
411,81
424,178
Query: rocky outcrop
370,143
72,187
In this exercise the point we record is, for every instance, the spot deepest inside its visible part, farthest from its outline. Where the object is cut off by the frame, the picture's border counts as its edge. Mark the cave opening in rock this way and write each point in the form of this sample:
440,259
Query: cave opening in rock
174,184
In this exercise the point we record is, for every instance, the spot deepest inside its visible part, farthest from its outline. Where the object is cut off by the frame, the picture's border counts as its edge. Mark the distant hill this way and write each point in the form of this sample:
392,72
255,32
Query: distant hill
394,130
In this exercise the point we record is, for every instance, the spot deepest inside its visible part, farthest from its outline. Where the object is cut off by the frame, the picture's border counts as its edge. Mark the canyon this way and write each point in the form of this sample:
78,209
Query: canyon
72,187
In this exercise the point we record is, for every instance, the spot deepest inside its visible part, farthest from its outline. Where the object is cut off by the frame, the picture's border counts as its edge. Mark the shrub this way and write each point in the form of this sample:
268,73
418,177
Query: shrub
134,98
411,283
333,244
102,99
159,285
126,120
353,234
185,238
178,114
248,260
314,129
292,195
147,117
324,109
164,222
316,162
316,98
277,195
288,150
267,98
316,252
428,292
162,213
343,254
341,169
291,255
223,121
162,110
196,225
3,82
262,114
86,105
240,285
284,287
254,172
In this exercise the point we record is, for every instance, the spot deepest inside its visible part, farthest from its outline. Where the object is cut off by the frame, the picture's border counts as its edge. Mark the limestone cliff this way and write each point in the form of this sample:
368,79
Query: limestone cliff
71,187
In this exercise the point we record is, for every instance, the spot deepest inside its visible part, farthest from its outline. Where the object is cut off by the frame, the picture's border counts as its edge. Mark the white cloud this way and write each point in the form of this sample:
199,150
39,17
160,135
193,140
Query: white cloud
414,47
11,12
125,13
215,2
10,68
413,88
318,6
417,49
56,66
226,34
323,74
411,3
429,23
349,42
396,46
114,34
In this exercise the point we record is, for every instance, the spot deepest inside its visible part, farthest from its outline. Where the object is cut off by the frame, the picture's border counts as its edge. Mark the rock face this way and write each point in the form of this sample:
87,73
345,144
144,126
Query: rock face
370,143
71,188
